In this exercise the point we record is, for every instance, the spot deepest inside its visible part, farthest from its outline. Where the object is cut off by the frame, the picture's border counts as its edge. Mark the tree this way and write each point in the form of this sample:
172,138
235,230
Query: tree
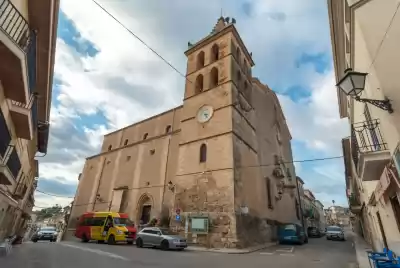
46,213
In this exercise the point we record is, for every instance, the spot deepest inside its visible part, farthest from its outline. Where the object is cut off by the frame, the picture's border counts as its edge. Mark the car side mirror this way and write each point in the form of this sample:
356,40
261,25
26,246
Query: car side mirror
159,233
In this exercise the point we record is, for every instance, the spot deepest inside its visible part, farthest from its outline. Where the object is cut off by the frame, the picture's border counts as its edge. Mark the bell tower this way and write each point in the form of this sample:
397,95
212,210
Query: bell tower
217,101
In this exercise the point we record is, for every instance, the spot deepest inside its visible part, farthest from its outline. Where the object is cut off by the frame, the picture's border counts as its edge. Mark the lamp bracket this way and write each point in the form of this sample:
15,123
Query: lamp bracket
381,104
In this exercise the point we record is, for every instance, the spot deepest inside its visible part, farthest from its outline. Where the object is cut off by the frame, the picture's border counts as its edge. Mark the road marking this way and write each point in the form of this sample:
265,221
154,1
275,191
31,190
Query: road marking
290,250
266,253
285,254
96,251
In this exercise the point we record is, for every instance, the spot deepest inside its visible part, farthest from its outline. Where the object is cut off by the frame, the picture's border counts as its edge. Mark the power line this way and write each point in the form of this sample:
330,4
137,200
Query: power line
143,42
250,166
384,36
53,194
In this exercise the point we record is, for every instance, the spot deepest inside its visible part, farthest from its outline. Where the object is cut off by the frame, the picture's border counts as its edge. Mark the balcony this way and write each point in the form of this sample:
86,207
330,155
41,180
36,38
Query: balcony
354,203
24,117
43,136
370,151
20,192
10,165
17,54
5,136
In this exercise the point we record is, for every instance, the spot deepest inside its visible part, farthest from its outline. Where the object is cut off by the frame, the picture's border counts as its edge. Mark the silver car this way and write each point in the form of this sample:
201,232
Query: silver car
335,233
159,237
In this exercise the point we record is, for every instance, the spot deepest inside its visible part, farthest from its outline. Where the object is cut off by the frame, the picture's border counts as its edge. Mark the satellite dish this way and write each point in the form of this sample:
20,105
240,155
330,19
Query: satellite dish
233,20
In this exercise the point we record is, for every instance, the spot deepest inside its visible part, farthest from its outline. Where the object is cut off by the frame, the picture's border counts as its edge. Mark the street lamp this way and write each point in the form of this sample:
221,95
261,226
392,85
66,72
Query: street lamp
353,83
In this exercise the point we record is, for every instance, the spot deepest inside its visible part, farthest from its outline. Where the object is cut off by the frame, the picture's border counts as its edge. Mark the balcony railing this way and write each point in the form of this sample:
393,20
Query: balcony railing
43,136
5,137
14,163
15,26
354,200
366,137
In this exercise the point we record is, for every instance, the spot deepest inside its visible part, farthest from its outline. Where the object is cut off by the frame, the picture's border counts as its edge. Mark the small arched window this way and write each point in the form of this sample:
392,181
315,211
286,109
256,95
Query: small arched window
239,76
246,87
200,60
269,193
214,77
214,53
237,53
168,129
203,153
126,142
145,135
199,83
109,147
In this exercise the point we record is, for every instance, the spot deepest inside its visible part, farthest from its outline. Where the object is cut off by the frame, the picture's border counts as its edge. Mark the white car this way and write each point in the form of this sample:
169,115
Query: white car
335,233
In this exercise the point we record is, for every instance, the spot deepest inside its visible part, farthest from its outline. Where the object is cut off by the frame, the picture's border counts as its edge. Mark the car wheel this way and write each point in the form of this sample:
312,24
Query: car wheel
111,240
306,241
130,242
164,245
139,243
84,238
34,241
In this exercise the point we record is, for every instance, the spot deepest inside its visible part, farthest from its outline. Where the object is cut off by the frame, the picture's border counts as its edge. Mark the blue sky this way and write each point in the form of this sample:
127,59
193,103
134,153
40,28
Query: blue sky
98,61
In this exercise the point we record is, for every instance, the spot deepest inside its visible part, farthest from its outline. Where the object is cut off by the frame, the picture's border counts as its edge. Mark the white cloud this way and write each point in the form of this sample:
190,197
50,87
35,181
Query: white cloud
127,82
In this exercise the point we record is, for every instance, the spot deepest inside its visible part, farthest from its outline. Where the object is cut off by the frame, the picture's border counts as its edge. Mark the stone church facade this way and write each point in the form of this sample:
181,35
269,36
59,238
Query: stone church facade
217,168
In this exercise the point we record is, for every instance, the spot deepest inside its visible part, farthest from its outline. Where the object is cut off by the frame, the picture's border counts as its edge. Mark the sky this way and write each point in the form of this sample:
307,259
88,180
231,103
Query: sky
106,79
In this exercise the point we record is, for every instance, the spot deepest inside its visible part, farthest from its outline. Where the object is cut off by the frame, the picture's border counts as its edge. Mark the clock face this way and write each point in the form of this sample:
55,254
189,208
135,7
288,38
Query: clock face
204,114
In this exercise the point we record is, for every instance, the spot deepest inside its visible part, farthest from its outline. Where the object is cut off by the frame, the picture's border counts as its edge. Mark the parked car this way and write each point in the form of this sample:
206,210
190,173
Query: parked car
313,232
292,233
45,233
335,233
160,237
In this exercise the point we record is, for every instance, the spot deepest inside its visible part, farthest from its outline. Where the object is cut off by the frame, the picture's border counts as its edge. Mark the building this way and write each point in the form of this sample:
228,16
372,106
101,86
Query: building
214,168
27,47
310,210
337,215
301,197
372,107
320,210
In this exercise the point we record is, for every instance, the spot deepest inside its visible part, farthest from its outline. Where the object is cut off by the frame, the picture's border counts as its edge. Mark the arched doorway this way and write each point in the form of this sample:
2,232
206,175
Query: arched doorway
144,207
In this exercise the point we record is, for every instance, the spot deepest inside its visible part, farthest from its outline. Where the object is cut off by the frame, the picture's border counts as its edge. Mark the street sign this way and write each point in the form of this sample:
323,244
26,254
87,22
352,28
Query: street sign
178,217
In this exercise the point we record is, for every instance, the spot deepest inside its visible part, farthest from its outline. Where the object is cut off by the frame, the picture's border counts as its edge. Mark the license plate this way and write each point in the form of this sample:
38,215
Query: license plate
288,237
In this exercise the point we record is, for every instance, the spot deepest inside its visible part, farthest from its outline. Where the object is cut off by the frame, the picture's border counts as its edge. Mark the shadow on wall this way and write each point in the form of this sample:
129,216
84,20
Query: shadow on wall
253,231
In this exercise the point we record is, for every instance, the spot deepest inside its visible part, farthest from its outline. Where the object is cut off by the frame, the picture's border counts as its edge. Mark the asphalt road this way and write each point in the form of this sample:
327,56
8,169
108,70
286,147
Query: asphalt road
318,253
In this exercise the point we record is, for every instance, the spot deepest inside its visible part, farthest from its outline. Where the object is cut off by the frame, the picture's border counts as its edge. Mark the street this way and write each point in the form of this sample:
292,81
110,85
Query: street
318,253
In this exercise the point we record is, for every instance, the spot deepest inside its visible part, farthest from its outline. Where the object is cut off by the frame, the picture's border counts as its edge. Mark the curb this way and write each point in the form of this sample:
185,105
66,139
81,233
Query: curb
234,251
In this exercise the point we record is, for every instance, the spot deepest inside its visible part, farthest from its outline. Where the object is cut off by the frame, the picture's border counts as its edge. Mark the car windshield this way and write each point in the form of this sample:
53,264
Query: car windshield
48,229
168,232
290,227
123,222
334,229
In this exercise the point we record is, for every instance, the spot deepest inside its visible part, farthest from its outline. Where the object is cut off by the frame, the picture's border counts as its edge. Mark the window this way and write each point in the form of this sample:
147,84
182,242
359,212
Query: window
238,53
214,77
214,53
203,153
239,76
269,194
200,60
128,158
126,142
109,147
145,135
199,84
152,151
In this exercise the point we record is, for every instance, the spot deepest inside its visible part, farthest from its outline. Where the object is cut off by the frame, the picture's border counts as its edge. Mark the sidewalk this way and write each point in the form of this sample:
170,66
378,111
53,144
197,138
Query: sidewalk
361,248
231,250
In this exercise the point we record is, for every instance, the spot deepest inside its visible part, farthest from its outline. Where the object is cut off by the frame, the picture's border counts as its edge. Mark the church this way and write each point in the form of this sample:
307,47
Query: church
218,169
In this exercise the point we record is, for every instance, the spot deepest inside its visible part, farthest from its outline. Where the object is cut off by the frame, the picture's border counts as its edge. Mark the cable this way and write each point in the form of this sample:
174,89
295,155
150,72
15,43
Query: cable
36,190
384,36
77,205
254,166
144,43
